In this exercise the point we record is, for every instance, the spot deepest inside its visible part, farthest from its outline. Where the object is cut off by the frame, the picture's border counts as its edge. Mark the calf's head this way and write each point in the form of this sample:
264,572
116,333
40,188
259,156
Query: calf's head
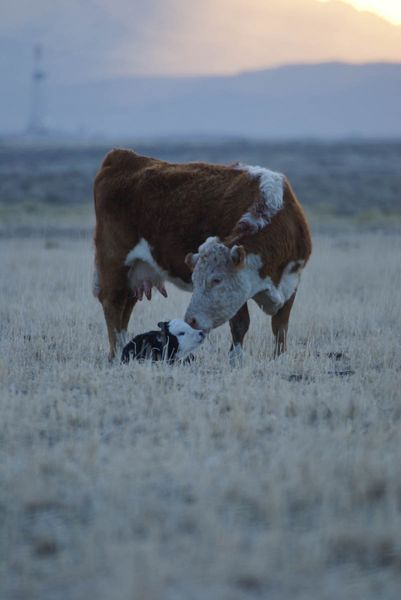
220,285
180,338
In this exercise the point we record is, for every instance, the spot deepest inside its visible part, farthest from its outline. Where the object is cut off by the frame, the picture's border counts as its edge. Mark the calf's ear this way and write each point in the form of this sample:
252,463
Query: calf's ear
191,260
164,329
238,255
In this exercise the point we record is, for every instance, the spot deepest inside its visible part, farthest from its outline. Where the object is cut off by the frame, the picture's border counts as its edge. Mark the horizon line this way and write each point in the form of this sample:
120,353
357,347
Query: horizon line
245,71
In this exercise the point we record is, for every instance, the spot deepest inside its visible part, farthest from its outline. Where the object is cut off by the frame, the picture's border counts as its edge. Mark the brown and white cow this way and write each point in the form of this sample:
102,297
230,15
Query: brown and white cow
229,233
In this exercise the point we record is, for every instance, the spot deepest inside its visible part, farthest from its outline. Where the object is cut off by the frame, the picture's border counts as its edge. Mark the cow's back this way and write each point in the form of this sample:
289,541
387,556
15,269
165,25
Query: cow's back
116,177
173,206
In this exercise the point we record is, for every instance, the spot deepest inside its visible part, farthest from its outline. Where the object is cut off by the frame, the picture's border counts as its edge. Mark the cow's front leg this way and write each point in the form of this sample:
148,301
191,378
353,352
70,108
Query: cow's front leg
239,325
280,326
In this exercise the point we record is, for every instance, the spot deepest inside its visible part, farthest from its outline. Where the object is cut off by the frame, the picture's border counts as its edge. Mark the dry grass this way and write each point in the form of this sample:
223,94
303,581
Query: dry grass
276,479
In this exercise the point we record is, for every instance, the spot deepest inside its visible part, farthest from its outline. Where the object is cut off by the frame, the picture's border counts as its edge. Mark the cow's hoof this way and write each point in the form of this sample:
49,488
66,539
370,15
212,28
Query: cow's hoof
236,356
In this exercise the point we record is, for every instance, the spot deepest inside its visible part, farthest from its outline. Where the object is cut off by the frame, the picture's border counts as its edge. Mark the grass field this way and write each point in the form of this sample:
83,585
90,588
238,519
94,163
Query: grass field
277,479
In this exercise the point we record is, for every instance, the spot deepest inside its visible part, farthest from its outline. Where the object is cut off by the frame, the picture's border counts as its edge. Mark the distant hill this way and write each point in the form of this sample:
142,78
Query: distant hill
317,100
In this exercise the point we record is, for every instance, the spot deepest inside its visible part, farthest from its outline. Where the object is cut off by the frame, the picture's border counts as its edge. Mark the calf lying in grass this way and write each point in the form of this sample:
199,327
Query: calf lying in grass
174,341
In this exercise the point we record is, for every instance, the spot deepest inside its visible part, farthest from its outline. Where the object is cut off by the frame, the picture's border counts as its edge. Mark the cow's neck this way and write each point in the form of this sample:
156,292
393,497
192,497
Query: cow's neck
250,276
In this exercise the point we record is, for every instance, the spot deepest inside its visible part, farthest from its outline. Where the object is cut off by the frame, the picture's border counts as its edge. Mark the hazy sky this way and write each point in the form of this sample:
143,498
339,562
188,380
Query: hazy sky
90,39
389,9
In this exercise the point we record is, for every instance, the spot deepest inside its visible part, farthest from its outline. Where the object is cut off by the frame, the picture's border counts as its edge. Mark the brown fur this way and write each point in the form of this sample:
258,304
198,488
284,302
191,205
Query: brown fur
286,238
175,207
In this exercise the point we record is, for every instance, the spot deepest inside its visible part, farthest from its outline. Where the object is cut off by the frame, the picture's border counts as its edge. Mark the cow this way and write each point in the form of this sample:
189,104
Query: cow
228,233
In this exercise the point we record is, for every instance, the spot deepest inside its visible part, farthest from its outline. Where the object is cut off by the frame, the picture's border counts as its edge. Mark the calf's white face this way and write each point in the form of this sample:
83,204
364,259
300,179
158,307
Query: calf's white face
188,338
220,284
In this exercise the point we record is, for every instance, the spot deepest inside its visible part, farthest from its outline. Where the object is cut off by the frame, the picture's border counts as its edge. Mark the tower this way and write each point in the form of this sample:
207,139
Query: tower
36,123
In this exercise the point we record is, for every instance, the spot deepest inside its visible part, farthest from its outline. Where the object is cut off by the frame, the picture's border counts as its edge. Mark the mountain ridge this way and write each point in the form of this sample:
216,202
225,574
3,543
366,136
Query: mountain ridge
332,99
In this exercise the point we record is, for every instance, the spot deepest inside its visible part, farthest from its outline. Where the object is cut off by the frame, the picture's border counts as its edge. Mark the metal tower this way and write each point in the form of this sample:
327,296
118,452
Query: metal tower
36,123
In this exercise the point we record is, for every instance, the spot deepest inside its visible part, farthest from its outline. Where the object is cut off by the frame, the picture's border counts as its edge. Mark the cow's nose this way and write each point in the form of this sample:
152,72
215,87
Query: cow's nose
193,323
201,335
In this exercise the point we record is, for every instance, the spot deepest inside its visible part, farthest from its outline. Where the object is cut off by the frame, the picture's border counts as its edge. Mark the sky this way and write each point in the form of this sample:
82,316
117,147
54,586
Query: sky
388,9
86,40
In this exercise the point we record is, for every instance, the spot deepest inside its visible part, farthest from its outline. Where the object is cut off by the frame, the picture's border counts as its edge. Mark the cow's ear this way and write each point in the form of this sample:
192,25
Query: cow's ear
163,325
238,255
191,260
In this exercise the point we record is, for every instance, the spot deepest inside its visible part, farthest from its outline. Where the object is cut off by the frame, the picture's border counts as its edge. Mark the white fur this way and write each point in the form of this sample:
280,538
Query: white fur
142,252
188,338
212,305
207,244
122,338
289,281
272,187
143,266
256,282
236,355
275,296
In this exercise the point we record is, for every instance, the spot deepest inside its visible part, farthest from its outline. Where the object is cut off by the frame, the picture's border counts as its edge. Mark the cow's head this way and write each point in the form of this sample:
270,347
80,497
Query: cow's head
220,284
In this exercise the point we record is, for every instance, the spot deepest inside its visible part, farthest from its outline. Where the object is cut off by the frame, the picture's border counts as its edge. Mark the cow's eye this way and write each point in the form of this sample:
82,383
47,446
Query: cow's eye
181,333
216,281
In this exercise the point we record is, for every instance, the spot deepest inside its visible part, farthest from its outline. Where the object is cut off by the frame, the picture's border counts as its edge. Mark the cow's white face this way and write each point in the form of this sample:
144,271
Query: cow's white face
220,284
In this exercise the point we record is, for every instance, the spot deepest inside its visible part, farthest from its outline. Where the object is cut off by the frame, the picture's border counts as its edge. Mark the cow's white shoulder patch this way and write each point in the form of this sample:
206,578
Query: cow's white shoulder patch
290,278
271,185
267,295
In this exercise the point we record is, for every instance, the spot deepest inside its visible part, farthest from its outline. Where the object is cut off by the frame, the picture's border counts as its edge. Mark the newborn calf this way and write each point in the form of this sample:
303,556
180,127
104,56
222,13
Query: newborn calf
175,340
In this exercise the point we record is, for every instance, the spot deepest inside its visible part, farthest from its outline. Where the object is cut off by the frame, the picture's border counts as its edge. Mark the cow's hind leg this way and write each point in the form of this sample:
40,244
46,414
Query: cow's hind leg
129,305
117,303
239,325
113,307
122,330
280,326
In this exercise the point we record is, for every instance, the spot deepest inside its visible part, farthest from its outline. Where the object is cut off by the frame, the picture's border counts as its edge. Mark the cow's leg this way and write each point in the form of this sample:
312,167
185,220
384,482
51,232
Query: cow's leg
122,328
239,325
113,307
280,326
129,305
114,295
